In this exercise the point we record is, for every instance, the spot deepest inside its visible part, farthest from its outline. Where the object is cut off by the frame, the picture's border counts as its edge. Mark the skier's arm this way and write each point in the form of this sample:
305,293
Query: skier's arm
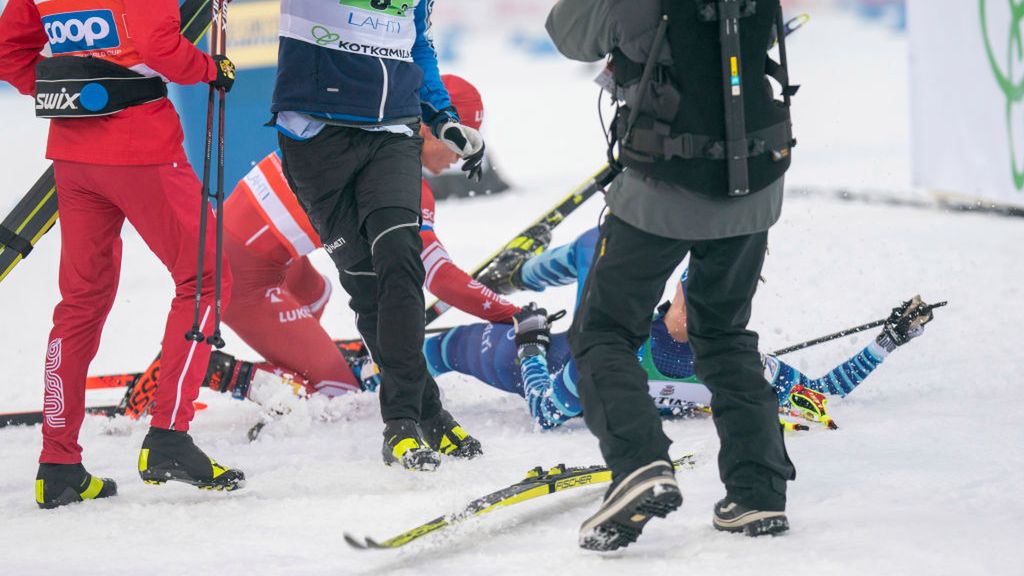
840,381
155,27
582,29
433,95
21,38
551,402
451,284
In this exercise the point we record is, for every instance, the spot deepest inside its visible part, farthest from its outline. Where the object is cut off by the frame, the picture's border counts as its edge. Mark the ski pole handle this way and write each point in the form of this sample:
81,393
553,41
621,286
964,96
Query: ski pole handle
842,333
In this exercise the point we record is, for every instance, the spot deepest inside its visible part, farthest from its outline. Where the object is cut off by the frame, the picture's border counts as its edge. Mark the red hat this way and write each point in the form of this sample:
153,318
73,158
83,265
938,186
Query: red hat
466,100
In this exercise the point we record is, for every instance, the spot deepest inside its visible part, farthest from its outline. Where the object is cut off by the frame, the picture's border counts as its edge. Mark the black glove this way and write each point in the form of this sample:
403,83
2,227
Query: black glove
533,330
225,73
905,323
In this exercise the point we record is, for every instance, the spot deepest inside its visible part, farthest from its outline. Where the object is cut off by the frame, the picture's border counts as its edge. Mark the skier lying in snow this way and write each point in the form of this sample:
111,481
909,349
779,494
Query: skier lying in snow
526,359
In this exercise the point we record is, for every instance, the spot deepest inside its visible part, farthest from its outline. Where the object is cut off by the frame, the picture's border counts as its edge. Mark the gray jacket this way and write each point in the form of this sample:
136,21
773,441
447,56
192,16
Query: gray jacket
588,30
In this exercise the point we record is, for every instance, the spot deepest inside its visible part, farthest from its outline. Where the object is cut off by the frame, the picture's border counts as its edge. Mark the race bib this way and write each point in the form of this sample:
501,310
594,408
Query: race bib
378,28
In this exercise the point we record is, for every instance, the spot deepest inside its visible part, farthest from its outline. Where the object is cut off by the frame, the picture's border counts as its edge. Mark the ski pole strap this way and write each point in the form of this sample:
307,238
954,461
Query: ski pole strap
85,87
10,239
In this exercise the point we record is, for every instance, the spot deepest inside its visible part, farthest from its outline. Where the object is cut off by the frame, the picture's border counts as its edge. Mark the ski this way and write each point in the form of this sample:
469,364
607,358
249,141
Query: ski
538,482
36,212
552,218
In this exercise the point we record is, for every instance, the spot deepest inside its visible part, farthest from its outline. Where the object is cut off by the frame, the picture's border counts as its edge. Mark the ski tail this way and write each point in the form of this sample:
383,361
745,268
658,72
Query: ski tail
538,482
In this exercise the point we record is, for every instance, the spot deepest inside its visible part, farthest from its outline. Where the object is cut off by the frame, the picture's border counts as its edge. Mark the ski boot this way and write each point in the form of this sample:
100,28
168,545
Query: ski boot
648,492
733,517
504,274
60,484
171,455
444,434
404,444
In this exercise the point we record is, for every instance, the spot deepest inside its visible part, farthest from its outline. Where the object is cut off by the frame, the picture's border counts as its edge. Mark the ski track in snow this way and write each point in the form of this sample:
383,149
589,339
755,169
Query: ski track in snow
923,477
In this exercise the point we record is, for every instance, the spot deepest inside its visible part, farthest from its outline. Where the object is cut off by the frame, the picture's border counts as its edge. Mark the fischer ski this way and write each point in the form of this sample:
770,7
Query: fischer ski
538,482
36,212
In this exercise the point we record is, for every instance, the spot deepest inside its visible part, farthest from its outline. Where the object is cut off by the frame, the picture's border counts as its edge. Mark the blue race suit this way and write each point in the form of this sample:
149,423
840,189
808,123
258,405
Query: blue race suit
488,353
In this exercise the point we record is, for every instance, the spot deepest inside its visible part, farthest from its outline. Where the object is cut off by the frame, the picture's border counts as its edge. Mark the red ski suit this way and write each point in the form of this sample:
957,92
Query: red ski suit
127,165
279,296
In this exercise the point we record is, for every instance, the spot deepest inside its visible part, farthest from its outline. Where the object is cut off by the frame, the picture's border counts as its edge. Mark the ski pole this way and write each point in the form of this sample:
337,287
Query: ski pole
196,333
843,333
220,30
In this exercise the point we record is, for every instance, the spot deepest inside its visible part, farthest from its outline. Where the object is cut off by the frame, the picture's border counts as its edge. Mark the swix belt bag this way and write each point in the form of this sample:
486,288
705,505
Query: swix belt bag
84,87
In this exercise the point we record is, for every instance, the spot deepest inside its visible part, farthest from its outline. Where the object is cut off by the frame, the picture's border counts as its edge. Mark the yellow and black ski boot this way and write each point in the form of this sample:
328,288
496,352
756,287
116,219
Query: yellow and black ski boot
404,444
60,484
171,455
445,435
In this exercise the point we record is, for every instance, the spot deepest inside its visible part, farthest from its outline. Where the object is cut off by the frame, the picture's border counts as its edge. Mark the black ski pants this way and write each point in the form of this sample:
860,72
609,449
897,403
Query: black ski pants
614,318
361,191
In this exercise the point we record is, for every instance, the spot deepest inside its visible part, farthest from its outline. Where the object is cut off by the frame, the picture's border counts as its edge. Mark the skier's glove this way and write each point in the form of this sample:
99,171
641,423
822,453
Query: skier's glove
809,405
368,374
533,330
225,73
467,143
905,323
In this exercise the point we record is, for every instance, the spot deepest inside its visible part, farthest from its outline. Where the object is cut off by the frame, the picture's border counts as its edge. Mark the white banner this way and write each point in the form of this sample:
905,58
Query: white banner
967,98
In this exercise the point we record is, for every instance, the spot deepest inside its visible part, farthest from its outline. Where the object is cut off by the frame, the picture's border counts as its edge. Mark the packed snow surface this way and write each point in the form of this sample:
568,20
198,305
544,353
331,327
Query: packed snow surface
924,475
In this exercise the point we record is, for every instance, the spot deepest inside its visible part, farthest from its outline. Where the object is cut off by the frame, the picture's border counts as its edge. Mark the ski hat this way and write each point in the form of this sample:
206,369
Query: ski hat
466,100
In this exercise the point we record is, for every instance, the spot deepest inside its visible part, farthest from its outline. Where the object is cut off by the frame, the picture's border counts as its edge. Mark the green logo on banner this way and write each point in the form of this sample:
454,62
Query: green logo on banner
393,7
1012,89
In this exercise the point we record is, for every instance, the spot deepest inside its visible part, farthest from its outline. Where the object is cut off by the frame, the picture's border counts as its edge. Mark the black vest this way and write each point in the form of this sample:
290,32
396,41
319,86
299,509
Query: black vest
679,133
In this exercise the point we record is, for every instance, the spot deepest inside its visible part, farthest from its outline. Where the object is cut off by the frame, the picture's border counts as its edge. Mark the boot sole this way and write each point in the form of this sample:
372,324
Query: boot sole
158,478
754,524
622,524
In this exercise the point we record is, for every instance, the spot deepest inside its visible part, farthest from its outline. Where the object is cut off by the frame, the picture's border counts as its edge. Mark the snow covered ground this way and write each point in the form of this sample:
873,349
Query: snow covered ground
924,476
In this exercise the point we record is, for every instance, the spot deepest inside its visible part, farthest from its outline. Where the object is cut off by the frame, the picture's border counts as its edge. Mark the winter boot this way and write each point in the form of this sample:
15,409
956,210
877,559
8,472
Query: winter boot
171,455
504,274
60,484
404,444
629,504
733,517
444,434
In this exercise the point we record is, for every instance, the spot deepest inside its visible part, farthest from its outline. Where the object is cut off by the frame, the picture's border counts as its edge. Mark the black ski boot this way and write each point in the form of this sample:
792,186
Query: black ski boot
404,444
733,517
171,455
648,492
504,274
60,484
444,434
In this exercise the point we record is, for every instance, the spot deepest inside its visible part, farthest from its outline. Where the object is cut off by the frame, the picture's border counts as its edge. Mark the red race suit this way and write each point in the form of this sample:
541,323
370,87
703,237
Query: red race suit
279,297
128,165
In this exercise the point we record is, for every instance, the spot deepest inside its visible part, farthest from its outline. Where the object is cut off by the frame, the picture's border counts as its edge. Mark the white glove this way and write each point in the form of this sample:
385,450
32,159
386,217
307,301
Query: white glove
468,144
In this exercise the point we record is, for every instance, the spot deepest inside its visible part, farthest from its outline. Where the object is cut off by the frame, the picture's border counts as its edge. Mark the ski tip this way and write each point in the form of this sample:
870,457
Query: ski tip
355,542
371,543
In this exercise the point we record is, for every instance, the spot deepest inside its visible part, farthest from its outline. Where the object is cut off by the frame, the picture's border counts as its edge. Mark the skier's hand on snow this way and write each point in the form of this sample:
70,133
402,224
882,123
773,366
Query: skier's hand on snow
905,323
467,143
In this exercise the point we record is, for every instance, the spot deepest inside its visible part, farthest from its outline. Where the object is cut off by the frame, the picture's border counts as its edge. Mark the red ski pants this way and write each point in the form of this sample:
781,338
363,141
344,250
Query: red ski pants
162,203
276,310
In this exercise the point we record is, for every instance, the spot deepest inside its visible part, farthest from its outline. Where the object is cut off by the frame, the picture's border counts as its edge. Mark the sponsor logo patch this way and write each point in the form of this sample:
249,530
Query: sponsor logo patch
81,31
62,100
